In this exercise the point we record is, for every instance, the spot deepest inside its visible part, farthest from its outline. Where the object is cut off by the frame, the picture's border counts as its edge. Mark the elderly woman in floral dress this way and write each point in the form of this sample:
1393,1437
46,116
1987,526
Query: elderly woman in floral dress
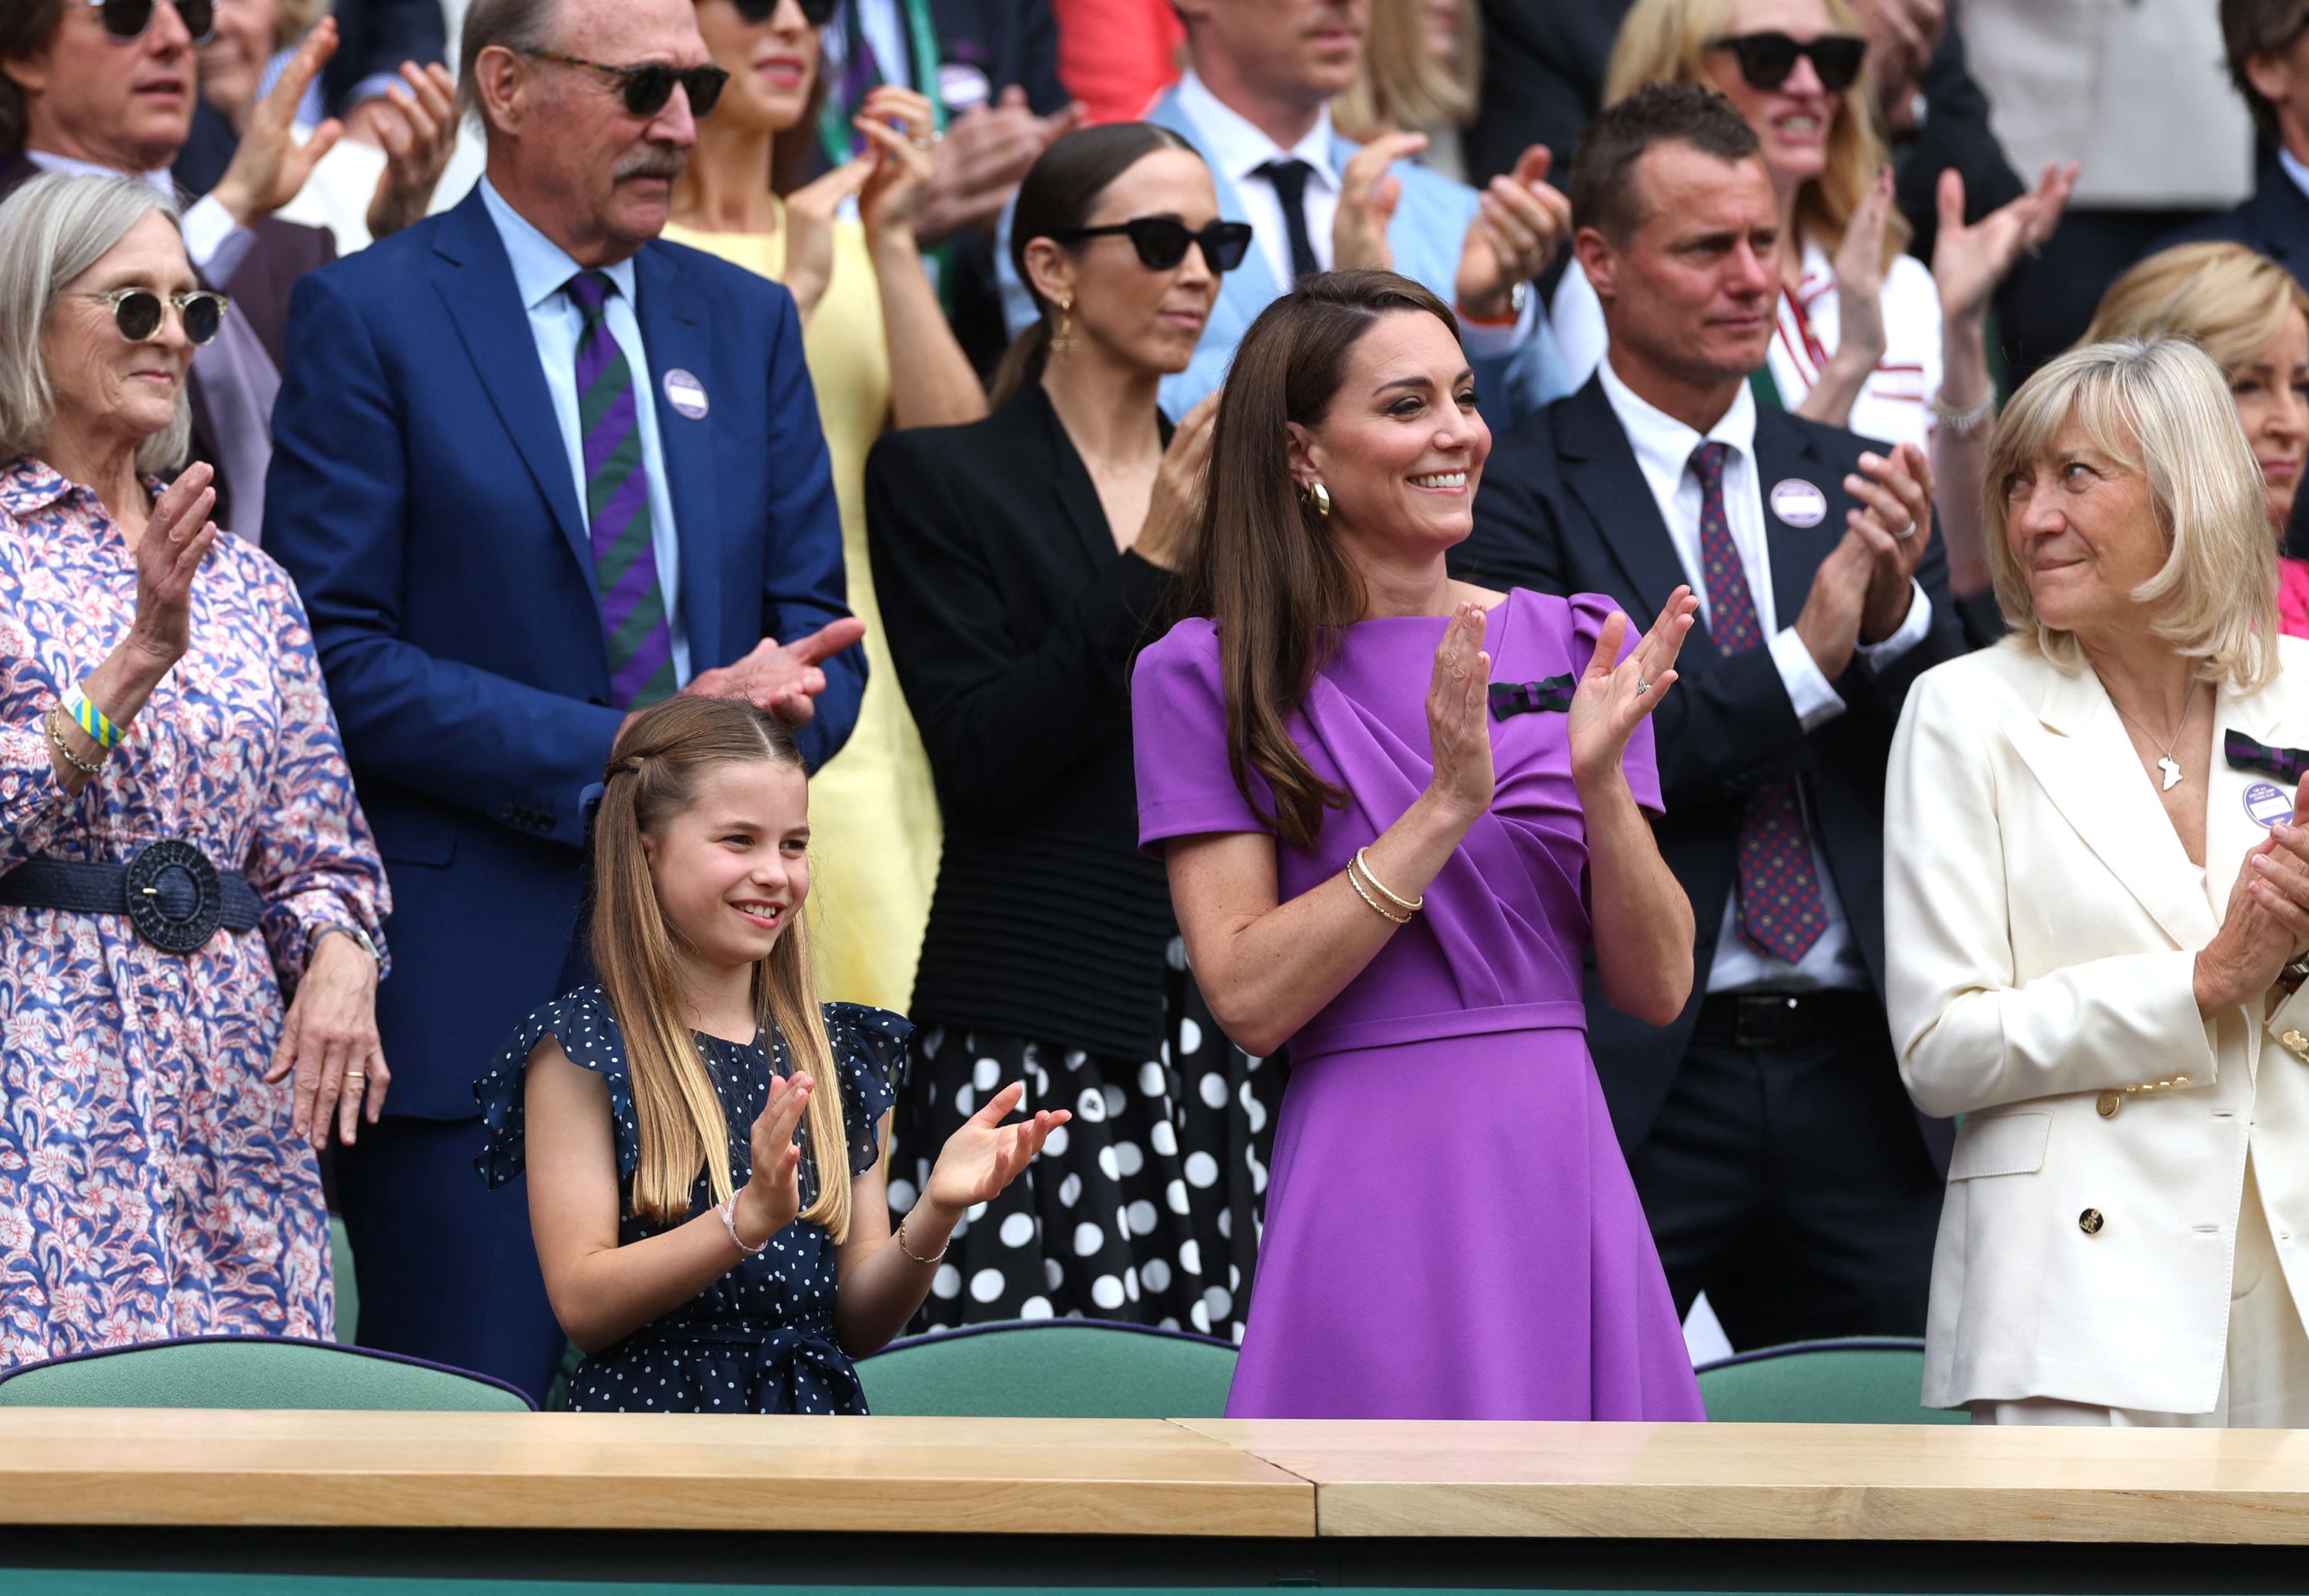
178,835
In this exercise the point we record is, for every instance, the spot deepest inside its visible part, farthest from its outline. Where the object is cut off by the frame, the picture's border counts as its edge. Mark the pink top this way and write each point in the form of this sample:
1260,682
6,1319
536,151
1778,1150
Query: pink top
2292,596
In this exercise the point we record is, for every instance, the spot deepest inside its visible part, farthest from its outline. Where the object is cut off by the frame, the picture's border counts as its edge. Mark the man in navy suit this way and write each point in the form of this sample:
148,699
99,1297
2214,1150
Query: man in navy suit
1780,1165
495,585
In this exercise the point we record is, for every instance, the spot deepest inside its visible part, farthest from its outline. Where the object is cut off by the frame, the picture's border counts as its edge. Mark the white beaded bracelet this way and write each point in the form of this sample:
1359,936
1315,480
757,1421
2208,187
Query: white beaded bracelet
728,1210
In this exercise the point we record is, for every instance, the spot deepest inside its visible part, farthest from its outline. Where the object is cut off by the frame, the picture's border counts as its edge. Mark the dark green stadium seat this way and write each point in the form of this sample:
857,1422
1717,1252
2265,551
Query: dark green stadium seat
1052,1368
1868,1380
244,1371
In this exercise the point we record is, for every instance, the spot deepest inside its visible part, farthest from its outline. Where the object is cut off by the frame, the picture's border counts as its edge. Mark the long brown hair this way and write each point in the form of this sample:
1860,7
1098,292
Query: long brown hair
1264,566
677,1121
1061,191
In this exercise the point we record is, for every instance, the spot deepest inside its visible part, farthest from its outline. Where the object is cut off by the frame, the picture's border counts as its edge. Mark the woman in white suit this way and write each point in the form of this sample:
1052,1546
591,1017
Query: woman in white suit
2096,893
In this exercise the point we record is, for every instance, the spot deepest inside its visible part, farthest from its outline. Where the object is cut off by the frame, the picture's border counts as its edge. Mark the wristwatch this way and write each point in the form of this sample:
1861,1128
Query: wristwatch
1519,295
355,932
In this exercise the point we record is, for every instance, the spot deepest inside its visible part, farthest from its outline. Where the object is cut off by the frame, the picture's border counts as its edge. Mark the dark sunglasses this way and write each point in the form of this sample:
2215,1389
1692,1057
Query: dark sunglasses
140,313
818,13
1766,59
129,19
1161,241
648,88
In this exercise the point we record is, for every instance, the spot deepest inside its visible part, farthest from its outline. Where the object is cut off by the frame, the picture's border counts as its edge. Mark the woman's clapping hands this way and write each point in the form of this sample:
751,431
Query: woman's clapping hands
983,1157
177,539
1615,695
2266,924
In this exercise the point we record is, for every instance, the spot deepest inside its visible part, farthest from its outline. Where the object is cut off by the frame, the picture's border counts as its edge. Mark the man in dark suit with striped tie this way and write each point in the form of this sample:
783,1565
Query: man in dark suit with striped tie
535,469
1779,1162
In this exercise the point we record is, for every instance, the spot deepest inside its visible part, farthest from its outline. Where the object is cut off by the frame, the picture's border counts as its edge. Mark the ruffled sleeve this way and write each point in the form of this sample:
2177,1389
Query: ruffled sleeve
1178,726
588,1030
871,1050
1589,611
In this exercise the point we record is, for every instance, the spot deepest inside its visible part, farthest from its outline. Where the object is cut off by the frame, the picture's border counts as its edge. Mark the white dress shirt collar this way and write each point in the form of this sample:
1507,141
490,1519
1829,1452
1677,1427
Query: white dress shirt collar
1664,445
540,267
1236,149
2295,168
157,180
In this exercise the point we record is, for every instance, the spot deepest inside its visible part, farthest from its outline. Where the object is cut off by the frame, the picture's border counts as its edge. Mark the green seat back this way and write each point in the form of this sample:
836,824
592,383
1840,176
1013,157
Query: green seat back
1057,1369
341,1274
1867,1381
251,1372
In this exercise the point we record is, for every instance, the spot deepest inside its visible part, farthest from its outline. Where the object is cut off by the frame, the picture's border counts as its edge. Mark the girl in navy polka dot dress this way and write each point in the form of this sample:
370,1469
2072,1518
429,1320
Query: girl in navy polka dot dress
704,1140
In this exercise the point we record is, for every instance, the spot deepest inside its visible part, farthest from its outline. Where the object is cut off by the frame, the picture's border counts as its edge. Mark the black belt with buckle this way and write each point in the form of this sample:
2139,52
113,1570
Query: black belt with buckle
1785,1019
171,892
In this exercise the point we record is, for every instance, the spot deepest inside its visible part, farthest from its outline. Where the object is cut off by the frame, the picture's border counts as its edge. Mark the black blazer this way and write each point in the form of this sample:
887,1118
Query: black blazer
259,291
1565,509
1012,623
1543,63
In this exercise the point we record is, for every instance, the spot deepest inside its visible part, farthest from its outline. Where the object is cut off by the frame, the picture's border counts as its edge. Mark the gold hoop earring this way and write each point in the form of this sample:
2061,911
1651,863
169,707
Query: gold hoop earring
1320,496
1062,342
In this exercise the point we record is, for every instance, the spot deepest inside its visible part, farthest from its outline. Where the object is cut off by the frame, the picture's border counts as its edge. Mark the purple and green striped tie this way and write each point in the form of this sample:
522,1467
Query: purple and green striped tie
617,507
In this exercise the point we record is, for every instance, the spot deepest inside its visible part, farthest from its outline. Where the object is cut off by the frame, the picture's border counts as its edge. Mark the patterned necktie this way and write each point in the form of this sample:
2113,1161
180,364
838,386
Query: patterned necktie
617,507
1781,910
1288,177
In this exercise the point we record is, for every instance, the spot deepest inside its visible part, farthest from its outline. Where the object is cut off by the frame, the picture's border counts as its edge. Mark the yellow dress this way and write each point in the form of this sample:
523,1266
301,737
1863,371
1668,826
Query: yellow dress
873,813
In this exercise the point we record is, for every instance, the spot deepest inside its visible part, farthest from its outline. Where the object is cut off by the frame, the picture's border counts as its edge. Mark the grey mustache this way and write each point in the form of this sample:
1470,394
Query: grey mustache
669,164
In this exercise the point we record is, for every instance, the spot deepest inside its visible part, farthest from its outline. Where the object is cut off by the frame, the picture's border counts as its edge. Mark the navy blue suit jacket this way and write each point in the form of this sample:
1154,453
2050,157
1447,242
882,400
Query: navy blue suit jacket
1564,508
421,496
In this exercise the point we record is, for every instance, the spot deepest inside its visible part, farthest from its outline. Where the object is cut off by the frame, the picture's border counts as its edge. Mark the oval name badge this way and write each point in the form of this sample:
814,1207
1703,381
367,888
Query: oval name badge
1798,503
686,394
2267,804
963,87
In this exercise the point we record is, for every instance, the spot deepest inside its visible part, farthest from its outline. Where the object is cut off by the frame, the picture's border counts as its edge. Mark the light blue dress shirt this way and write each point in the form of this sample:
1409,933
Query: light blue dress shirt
541,270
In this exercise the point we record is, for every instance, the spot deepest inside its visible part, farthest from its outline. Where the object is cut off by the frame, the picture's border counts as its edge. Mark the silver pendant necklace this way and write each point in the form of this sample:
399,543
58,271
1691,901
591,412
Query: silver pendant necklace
2167,766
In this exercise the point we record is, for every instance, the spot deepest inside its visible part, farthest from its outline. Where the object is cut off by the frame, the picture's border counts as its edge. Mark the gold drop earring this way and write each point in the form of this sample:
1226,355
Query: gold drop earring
1062,342
1320,496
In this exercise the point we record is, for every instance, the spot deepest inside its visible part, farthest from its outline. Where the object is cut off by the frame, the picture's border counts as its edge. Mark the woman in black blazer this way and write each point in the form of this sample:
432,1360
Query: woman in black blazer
1022,561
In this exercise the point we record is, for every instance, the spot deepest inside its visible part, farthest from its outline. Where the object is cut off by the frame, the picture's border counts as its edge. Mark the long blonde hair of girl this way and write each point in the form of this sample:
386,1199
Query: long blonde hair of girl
677,1121
1665,42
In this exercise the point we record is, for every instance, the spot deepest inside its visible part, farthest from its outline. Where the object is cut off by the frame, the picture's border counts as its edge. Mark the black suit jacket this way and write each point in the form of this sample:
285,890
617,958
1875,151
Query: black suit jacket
1012,623
1565,509
375,37
259,291
1544,64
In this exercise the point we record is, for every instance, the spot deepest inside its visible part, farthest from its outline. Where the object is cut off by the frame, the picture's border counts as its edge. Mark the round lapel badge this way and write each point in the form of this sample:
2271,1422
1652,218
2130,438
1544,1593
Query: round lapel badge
686,394
963,87
2267,803
1798,503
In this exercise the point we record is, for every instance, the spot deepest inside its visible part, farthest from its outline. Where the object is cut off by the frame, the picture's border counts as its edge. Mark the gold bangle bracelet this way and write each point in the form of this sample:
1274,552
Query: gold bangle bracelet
910,1251
1408,905
1377,908
56,737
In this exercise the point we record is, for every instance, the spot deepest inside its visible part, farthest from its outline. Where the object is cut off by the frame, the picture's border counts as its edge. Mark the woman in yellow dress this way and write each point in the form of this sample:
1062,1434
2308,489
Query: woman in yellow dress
881,356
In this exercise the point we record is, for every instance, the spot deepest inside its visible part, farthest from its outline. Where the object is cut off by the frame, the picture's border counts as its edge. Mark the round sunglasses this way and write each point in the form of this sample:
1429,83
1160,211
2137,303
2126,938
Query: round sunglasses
126,20
1766,59
818,13
1161,241
140,313
647,89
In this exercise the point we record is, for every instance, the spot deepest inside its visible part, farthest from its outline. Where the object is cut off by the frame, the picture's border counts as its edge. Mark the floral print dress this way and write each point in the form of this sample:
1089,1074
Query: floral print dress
150,1184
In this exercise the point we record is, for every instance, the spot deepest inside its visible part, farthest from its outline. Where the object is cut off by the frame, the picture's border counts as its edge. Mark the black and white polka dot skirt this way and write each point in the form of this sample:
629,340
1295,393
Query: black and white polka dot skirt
1144,1208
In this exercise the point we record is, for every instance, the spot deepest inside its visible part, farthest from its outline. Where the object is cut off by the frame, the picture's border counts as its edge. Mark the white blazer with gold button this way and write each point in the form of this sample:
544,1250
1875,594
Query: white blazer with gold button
2042,923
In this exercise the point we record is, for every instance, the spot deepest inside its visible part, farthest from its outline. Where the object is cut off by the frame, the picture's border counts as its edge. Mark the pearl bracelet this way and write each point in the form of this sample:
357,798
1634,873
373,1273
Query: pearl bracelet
729,1213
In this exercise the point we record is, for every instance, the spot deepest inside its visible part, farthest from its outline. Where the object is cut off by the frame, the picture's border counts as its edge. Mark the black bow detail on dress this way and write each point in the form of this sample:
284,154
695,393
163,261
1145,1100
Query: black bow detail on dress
2287,765
1552,696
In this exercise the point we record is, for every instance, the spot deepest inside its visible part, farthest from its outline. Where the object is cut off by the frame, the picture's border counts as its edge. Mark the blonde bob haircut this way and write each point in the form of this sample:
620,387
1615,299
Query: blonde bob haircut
52,229
1401,85
2229,301
2161,408
1665,42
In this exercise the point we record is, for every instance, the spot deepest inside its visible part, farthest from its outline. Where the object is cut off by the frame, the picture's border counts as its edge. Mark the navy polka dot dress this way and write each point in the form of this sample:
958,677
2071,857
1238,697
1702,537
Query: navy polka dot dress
759,1340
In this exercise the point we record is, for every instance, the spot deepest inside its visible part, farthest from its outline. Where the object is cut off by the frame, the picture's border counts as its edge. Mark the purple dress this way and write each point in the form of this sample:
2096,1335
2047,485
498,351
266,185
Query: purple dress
1451,1231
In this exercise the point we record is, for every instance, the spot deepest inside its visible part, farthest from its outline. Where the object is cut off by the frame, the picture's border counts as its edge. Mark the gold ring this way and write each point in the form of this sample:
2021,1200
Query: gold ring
351,1075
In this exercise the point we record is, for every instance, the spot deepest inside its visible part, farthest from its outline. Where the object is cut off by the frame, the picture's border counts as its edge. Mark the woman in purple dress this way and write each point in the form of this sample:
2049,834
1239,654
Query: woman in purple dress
1395,810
